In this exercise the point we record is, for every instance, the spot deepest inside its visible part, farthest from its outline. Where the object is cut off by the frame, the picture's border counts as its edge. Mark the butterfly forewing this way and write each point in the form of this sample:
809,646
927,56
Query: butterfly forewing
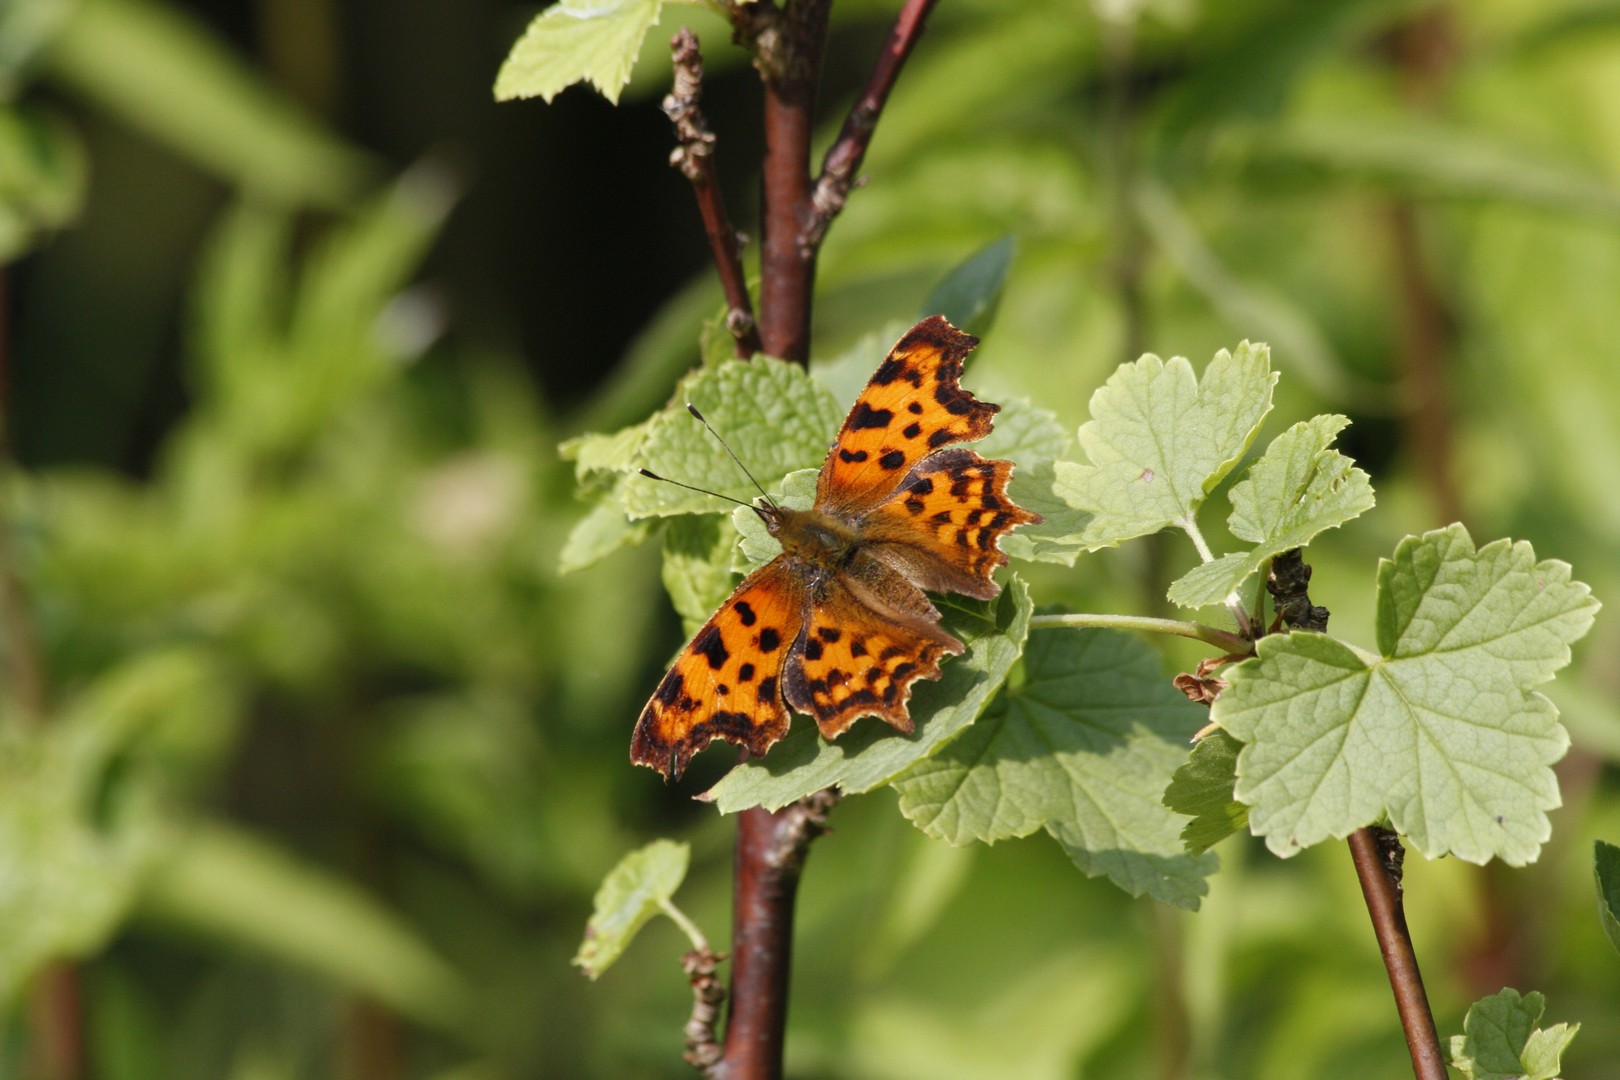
727,682
912,406
942,527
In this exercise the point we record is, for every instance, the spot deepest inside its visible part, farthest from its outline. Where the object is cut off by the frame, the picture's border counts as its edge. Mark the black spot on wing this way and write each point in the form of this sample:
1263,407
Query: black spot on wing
915,408
745,612
921,486
711,646
892,460
852,456
770,639
912,430
864,416
888,371
812,649
829,634
745,673
669,691
941,437
767,689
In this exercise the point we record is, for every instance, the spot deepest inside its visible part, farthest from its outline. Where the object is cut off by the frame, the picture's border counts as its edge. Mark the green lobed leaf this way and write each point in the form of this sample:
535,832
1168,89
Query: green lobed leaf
1442,732
697,566
1500,1040
594,41
872,754
1202,789
969,293
1160,440
757,546
632,893
1606,869
606,452
1052,489
773,415
1024,432
1298,489
1082,748
603,530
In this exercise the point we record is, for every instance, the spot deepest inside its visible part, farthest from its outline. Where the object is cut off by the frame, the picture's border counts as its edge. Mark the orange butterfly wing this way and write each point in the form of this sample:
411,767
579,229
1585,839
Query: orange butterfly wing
913,406
727,682
942,528
870,635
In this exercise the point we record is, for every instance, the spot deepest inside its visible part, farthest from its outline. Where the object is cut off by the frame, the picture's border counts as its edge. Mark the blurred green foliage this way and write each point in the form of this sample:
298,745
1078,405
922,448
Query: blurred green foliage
327,757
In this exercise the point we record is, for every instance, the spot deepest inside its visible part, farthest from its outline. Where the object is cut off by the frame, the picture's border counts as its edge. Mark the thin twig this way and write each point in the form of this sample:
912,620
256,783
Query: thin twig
771,849
694,157
1377,853
844,157
703,1051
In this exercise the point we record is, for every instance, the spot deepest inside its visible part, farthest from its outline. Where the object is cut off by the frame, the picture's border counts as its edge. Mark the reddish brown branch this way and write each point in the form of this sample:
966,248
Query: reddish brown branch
771,849
1378,853
788,42
844,158
694,157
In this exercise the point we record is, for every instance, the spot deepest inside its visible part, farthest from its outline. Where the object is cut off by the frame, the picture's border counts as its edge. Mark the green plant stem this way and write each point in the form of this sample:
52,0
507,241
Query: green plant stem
1240,614
1221,639
690,928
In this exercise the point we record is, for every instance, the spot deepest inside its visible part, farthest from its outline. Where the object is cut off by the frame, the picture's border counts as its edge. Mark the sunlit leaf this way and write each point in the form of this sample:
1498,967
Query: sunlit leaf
1442,731
594,41
1298,489
772,414
632,893
1500,1040
1160,440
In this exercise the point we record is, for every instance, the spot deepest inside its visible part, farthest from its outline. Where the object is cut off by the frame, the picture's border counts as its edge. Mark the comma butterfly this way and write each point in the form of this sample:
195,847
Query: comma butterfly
837,625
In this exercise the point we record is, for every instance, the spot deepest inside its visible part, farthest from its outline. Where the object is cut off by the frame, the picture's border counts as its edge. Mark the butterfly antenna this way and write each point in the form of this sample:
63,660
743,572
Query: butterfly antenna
693,410
649,474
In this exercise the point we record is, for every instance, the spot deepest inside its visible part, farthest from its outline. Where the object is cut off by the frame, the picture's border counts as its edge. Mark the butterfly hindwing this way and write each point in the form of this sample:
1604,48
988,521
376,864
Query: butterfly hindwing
727,682
942,527
912,406
852,660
